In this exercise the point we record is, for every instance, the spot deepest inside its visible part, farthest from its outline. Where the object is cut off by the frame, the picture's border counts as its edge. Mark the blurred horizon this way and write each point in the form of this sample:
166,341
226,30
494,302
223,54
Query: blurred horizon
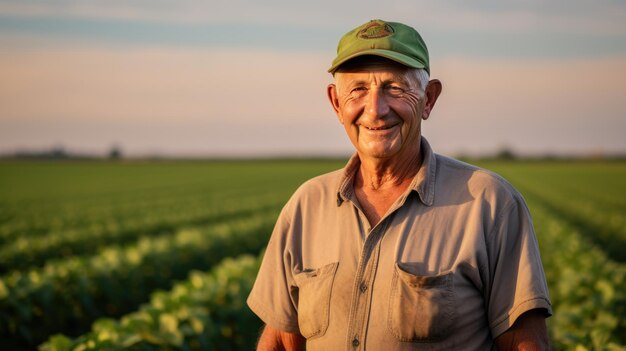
248,79
116,152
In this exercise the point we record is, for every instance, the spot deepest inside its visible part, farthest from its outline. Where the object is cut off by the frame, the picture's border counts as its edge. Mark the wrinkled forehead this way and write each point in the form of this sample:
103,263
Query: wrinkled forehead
375,69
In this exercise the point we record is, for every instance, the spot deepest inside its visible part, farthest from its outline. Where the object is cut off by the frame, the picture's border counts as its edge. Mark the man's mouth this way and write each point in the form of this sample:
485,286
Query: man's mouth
379,128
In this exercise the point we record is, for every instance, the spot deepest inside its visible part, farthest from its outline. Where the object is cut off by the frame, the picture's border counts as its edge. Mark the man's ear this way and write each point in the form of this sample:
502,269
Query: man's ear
432,93
331,92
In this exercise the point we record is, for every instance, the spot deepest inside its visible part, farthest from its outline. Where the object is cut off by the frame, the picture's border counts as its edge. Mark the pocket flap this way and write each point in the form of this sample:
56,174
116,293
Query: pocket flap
314,291
423,281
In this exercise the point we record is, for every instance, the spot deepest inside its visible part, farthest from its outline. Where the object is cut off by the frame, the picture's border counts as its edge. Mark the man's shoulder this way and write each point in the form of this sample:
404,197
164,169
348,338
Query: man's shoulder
319,188
478,180
329,180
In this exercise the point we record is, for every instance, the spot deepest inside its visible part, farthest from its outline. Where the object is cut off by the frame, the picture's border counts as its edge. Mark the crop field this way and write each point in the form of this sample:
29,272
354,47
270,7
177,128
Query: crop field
161,255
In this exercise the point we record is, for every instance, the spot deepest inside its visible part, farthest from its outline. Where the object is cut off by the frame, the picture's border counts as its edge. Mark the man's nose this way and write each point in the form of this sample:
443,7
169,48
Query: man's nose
376,104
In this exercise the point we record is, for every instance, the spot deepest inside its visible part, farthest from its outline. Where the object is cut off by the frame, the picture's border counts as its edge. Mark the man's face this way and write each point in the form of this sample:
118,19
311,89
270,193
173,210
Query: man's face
380,105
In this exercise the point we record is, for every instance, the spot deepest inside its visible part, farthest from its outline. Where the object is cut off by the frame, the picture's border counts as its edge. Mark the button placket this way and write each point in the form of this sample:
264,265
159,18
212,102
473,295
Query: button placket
360,311
355,342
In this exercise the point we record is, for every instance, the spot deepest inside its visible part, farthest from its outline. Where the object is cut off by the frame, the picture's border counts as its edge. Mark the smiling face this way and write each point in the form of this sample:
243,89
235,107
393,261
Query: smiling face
381,105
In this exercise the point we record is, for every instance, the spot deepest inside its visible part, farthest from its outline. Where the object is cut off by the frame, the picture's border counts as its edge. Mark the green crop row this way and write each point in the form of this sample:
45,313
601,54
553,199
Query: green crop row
607,228
588,290
599,183
46,218
130,217
40,198
26,252
571,205
37,220
206,312
589,196
67,295
50,216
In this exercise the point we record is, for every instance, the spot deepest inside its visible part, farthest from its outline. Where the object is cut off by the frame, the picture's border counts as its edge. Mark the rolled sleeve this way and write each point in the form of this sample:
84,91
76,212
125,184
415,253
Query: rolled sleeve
518,282
272,297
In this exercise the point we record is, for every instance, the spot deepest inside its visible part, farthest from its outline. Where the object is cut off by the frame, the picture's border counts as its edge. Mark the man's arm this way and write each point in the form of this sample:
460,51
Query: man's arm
276,340
529,332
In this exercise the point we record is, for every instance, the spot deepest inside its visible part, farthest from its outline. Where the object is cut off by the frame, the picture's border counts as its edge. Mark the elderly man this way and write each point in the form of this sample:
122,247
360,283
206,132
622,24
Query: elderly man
403,249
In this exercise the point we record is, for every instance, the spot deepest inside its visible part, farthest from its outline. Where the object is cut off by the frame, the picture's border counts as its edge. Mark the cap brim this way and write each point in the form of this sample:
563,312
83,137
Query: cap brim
392,55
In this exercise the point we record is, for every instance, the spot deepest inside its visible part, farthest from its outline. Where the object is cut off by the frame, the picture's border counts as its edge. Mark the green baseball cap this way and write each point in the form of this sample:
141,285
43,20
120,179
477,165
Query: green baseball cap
391,40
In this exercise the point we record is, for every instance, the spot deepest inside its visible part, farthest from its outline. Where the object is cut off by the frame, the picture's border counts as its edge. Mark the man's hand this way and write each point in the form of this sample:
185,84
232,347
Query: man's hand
276,340
529,332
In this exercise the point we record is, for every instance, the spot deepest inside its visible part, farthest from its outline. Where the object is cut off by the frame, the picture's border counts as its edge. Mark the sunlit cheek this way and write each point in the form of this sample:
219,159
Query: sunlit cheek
352,131
350,111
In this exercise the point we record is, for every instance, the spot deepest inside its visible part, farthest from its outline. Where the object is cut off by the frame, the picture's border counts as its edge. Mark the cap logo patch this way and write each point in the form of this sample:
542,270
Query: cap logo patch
375,30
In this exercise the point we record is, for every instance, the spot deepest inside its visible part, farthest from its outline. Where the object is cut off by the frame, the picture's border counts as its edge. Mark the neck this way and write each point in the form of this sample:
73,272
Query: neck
381,174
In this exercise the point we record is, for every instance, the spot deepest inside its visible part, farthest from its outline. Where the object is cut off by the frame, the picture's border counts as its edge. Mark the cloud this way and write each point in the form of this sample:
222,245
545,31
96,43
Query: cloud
483,29
599,17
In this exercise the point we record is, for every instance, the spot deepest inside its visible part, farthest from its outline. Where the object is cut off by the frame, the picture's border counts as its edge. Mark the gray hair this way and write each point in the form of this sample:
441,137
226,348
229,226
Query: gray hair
422,77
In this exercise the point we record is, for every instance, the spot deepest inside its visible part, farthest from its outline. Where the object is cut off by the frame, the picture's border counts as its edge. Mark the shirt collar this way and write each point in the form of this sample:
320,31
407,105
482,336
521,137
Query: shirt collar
423,183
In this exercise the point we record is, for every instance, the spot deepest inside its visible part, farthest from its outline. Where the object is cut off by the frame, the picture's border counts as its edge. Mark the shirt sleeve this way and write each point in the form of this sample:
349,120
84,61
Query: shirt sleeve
272,296
517,280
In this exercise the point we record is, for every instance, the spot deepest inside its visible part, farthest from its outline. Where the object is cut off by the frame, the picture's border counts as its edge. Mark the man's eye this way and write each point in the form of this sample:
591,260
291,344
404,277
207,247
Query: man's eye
394,90
358,91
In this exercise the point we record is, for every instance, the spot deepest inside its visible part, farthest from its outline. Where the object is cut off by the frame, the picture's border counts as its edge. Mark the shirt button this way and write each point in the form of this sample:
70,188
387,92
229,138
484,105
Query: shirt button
355,343
363,287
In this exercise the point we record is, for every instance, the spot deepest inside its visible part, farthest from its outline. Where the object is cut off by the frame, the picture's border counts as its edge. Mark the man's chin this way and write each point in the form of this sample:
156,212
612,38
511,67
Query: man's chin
381,154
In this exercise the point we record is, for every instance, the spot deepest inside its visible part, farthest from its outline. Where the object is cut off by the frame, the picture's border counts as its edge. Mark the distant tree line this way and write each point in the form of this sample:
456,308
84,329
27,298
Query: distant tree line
60,153
116,153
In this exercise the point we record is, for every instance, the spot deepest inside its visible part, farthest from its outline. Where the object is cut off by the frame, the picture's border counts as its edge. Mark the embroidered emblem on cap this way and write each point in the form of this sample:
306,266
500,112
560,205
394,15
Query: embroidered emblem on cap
375,30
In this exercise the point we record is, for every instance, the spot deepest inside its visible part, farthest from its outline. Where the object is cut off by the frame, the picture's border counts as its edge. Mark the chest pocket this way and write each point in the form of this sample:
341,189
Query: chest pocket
314,288
421,308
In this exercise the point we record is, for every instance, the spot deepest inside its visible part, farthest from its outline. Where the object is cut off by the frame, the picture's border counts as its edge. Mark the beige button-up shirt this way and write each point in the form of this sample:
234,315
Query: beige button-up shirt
451,265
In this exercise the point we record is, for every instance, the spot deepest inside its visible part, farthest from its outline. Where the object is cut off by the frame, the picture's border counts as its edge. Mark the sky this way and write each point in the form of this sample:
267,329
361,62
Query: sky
248,78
